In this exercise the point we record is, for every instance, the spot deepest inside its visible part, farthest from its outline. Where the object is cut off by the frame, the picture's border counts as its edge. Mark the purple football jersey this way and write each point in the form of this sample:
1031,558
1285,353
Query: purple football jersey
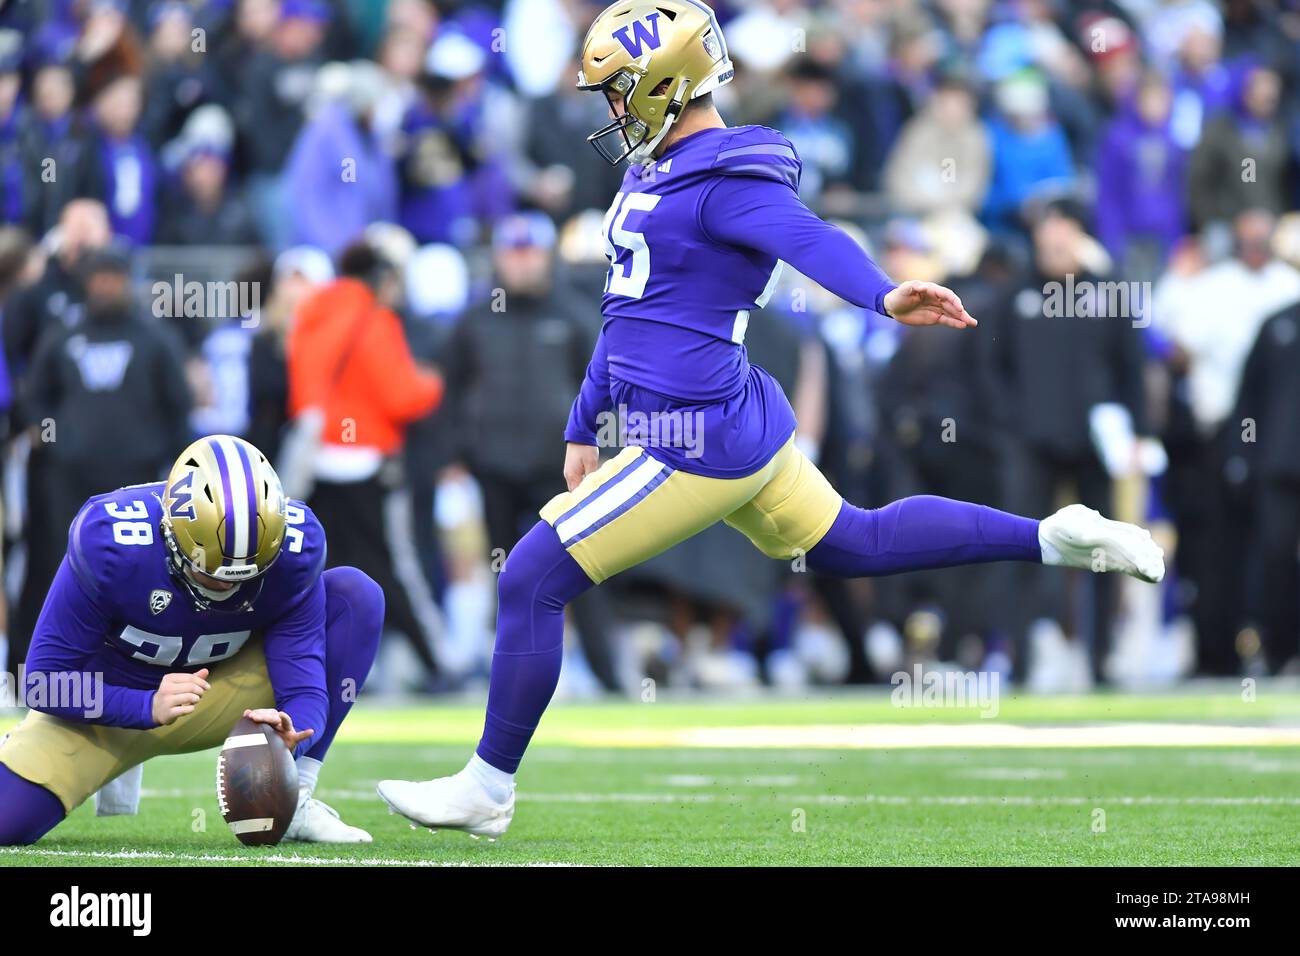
115,610
695,240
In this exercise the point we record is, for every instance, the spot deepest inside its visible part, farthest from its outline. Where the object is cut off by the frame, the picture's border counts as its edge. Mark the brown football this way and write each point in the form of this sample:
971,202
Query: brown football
257,784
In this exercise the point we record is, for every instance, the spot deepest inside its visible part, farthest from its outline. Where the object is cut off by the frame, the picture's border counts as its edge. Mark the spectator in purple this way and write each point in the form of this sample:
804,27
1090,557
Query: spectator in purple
53,133
453,184
13,198
1202,83
340,176
1142,182
125,175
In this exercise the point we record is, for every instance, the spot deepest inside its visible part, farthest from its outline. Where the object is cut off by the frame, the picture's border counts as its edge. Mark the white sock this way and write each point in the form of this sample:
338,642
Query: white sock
308,772
498,784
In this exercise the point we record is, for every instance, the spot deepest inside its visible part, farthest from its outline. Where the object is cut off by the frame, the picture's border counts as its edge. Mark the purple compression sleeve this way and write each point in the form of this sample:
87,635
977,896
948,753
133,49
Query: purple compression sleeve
538,580
923,532
767,215
27,810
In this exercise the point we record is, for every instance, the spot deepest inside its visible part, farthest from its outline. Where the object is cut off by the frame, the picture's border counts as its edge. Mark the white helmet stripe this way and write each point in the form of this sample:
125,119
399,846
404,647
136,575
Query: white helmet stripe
237,516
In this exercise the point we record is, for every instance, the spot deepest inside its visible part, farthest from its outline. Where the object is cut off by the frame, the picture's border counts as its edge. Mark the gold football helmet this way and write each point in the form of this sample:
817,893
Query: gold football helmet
223,514
652,57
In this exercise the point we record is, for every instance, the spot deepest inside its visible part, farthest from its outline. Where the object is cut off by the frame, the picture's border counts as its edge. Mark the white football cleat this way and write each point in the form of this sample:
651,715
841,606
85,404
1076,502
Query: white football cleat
458,802
1078,537
318,822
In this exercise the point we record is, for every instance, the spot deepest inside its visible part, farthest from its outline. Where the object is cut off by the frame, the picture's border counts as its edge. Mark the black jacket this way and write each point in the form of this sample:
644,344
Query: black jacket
512,376
110,390
1270,398
1053,368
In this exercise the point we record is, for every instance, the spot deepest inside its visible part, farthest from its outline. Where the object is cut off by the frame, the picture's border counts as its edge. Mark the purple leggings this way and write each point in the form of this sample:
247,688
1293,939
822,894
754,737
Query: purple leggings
354,620
540,577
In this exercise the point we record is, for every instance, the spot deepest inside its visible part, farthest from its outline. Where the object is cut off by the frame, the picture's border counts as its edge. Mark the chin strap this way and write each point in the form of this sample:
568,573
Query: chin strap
645,152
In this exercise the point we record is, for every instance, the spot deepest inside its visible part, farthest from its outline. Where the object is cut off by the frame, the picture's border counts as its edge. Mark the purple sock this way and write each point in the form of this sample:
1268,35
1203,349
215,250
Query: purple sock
27,810
539,578
354,621
914,534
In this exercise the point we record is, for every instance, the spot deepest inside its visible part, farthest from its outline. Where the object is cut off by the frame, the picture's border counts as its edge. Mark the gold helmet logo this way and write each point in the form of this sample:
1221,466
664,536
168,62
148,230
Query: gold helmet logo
650,58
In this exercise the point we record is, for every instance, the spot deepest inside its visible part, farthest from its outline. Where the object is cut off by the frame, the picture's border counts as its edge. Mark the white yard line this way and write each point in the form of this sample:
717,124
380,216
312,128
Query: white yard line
841,799
912,799
258,859
976,734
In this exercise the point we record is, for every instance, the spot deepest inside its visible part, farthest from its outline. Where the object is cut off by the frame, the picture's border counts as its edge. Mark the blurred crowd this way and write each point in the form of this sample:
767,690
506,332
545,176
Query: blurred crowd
366,234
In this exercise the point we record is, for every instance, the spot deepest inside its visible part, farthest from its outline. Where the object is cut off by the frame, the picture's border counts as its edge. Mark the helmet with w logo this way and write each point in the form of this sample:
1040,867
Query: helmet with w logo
223,511
651,57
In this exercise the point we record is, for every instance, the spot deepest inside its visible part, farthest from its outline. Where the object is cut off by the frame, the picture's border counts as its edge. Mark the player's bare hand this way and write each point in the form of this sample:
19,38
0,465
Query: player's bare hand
927,303
579,462
177,695
281,723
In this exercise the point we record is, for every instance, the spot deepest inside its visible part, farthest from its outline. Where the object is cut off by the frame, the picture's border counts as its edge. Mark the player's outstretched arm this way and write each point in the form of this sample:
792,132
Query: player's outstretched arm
767,215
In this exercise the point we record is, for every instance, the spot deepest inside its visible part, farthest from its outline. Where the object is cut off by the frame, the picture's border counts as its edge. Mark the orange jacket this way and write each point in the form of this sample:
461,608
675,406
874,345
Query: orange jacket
380,388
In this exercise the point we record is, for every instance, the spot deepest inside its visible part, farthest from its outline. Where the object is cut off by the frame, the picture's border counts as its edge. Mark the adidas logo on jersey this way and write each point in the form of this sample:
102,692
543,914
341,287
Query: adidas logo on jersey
665,166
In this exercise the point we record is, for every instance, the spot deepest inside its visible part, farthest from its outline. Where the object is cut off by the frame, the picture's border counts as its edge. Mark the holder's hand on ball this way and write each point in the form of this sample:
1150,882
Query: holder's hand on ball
281,723
579,462
178,695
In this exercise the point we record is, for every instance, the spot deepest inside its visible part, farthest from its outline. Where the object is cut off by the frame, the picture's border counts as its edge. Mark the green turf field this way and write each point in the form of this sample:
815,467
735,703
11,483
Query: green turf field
1192,778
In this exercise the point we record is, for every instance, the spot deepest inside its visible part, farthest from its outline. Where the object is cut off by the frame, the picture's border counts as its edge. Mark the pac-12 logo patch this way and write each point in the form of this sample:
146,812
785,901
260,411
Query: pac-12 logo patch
711,47
159,600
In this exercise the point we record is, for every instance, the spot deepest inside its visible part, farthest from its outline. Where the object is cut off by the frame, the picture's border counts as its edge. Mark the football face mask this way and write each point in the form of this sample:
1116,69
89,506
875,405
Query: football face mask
620,138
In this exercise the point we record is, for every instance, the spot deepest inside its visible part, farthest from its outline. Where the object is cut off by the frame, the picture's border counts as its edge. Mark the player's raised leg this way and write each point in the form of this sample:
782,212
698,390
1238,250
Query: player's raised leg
354,619
924,532
799,513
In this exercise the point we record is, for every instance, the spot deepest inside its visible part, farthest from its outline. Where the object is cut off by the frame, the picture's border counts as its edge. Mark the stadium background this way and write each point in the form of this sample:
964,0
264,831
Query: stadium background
997,147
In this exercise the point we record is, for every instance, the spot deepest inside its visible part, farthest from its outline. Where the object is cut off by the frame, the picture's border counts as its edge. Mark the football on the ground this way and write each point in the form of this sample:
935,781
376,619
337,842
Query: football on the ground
257,784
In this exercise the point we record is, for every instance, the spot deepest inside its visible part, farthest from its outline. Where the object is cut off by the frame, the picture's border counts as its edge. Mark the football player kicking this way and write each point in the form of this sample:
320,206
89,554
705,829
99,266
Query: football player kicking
695,238
180,607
